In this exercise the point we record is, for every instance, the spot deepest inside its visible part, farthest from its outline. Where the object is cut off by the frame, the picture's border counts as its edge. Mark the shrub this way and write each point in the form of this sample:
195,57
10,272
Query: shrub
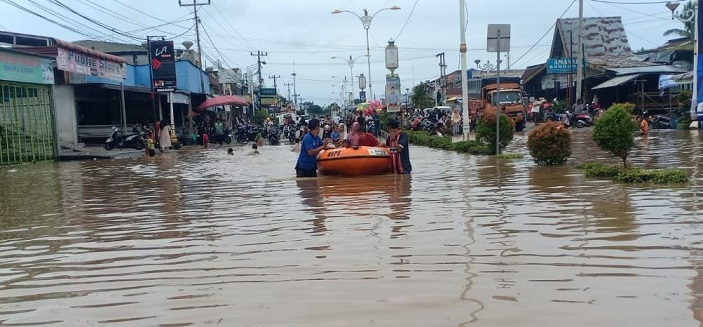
615,132
486,130
628,107
634,175
509,156
471,147
445,143
549,144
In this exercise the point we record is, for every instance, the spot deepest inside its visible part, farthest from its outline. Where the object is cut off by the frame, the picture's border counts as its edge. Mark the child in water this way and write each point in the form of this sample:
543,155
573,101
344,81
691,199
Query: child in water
254,150
150,148
230,151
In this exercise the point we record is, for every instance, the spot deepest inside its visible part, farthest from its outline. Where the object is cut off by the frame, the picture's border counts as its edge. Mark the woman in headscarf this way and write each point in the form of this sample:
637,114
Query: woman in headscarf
354,134
165,137
342,129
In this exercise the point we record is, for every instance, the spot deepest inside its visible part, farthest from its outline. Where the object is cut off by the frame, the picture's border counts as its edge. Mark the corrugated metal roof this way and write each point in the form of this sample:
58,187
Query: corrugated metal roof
601,36
615,81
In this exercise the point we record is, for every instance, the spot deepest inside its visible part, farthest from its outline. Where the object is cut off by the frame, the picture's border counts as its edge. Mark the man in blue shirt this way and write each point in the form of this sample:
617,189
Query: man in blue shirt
309,148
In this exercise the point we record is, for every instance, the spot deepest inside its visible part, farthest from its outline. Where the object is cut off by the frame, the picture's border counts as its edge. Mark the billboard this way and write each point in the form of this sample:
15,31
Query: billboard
393,93
561,66
18,67
87,64
163,66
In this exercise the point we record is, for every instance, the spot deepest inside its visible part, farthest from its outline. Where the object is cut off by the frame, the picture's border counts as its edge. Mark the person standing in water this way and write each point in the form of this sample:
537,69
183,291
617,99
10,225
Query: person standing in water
310,147
398,142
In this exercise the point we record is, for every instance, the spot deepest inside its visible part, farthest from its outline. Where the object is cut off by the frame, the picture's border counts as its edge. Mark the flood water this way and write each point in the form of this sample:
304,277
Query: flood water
196,238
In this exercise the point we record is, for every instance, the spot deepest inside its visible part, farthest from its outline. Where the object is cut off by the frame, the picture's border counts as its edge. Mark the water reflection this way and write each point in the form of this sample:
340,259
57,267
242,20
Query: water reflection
196,237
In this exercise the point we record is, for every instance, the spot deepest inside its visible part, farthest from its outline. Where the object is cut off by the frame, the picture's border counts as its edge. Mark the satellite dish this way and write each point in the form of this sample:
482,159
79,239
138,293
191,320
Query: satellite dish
187,44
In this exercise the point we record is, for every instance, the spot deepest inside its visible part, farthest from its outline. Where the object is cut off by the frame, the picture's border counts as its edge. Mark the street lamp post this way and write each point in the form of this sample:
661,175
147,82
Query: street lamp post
366,22
350,62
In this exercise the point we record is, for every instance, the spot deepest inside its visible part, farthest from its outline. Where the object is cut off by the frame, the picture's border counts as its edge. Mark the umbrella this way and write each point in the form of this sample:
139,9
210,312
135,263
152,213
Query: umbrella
222,100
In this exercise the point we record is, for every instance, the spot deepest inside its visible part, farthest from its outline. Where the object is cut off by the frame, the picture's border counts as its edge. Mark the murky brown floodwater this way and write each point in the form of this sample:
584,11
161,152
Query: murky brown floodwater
198,237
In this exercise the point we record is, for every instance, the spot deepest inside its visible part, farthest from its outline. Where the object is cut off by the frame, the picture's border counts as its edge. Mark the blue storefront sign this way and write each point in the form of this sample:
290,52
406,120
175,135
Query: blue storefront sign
561,66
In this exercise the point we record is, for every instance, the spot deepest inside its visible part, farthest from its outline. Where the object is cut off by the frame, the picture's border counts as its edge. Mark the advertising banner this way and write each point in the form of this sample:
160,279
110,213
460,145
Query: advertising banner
362,96
163,66
393,93
15,67
81,63
666,81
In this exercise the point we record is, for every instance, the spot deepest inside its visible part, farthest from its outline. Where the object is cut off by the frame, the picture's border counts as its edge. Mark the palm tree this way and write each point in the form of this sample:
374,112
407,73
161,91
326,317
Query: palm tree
689,26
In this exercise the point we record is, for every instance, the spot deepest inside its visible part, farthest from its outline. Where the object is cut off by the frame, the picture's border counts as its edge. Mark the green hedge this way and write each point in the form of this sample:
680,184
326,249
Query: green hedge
634,175
445,143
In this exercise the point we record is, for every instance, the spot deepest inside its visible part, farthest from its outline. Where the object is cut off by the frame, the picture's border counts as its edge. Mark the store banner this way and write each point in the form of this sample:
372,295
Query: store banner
163,66
16,67
81,63
393,93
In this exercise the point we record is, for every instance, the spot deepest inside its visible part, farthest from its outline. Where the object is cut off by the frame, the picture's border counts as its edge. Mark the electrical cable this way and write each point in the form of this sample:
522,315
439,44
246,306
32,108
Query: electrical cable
101,24
217,50
407,20
632,3
29,11
545,34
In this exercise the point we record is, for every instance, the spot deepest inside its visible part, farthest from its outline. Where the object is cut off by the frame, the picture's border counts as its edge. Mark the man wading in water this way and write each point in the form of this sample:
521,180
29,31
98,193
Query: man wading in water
310,147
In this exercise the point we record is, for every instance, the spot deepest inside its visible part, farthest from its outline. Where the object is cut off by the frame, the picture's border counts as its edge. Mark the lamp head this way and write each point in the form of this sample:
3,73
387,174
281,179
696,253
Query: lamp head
395,8
336,11
672,5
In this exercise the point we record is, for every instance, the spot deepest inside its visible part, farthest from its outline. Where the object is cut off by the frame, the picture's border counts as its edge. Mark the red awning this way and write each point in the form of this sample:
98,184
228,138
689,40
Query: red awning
222,100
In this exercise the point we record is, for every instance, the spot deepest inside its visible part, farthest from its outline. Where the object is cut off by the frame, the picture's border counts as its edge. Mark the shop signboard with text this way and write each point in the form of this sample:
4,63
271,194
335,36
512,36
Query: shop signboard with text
86,64
163,66
16,67
561,66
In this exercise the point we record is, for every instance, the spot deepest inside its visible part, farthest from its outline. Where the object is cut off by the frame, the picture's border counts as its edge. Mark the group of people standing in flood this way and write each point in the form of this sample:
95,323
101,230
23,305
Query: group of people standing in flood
312,144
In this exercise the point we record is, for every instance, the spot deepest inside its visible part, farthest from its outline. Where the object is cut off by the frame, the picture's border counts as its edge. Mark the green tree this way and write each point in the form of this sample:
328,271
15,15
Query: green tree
688,26
486,130
421,98
314,109
615,132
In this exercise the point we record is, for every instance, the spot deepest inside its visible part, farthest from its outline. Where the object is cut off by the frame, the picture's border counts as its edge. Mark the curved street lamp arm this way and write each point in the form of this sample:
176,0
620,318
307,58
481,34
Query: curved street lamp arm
337,11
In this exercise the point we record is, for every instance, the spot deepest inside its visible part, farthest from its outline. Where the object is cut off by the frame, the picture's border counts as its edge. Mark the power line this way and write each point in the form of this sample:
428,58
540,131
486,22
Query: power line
148,14
232,27
407,20
545,34
632,3
103,25
217,50
27,10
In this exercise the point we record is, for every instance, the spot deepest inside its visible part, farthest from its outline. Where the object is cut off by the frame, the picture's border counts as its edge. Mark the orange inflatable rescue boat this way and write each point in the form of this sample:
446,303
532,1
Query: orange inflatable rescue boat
354,162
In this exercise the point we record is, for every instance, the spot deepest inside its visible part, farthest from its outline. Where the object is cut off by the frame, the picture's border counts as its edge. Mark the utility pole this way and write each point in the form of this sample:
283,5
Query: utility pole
197,35
442,73
295,93
579,64
258,56
288,85
275,86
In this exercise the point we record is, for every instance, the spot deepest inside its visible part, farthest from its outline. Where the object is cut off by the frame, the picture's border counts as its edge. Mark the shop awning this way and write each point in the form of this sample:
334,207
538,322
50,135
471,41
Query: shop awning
615,81
223,100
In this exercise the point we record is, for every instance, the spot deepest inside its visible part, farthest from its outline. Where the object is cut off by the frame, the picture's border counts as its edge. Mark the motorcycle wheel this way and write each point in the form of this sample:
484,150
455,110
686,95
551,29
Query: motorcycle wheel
139,144
241,139
109,146
228,139
580,124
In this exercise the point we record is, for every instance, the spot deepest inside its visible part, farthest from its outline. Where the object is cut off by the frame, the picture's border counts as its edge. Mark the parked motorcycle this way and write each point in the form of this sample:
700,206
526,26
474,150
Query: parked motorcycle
247,133
117,139
220,138
581,120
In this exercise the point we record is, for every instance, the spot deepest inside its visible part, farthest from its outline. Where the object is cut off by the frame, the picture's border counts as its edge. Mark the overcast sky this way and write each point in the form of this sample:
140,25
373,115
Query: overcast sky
305,32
